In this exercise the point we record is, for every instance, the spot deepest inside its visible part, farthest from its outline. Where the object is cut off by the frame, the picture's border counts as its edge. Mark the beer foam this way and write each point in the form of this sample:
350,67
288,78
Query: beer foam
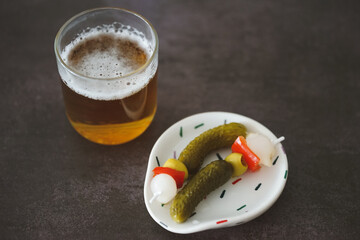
95,53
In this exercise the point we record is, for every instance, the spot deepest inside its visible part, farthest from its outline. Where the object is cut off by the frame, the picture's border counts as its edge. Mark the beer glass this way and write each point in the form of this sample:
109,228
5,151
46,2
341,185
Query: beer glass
107,59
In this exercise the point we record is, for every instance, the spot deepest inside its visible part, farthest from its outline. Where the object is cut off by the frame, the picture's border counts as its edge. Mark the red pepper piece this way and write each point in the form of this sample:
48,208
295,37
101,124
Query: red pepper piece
252,160
178,176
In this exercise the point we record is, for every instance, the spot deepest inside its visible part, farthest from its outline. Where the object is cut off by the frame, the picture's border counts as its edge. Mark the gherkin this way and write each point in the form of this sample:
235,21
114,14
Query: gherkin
222,136
214,175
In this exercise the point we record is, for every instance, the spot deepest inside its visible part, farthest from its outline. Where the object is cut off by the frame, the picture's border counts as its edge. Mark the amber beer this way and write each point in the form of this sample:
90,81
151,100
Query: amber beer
109,82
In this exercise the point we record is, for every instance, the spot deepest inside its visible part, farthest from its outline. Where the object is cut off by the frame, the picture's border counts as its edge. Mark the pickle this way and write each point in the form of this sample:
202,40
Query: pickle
222,136
214,175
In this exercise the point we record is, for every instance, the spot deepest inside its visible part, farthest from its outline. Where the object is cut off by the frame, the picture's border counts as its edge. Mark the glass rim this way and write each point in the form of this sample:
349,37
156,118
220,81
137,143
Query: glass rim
145,65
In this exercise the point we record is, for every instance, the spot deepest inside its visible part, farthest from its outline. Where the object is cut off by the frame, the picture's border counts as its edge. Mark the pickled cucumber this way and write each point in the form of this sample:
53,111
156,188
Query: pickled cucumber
222,136
214,175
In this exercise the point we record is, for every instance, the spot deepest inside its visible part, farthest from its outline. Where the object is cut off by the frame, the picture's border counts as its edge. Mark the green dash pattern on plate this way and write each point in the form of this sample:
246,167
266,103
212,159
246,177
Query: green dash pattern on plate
275,160
157,160
222,194
192,214
241,207
199,125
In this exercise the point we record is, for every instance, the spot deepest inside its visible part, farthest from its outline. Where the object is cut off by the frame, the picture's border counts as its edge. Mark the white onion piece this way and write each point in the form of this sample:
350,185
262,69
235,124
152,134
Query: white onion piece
262,147
163,186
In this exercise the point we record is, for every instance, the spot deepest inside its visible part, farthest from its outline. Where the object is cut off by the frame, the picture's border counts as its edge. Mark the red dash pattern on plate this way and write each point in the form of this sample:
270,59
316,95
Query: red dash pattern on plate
222,221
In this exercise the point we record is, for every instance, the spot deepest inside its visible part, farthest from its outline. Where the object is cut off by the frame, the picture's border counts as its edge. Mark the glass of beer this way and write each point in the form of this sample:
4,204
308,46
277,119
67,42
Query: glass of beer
107,60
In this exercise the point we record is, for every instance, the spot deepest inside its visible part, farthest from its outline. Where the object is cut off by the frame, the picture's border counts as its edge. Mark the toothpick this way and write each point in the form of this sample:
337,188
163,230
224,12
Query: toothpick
279,140
155,196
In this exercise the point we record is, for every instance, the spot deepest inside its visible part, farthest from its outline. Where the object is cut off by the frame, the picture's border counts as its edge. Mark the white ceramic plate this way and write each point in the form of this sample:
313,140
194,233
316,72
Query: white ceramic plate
234,203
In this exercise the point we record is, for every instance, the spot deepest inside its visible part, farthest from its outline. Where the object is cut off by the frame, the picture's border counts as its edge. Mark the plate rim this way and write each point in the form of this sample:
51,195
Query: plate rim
240,219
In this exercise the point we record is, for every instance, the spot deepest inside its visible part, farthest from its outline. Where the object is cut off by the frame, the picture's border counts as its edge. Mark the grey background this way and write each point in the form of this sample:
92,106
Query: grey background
291,65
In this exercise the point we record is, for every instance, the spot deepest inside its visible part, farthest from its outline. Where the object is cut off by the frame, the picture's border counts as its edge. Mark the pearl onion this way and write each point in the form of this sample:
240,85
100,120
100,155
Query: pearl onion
163,186
262,147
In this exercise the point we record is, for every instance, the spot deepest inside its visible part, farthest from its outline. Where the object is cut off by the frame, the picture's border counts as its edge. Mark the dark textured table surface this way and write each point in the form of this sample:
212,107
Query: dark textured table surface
292,65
